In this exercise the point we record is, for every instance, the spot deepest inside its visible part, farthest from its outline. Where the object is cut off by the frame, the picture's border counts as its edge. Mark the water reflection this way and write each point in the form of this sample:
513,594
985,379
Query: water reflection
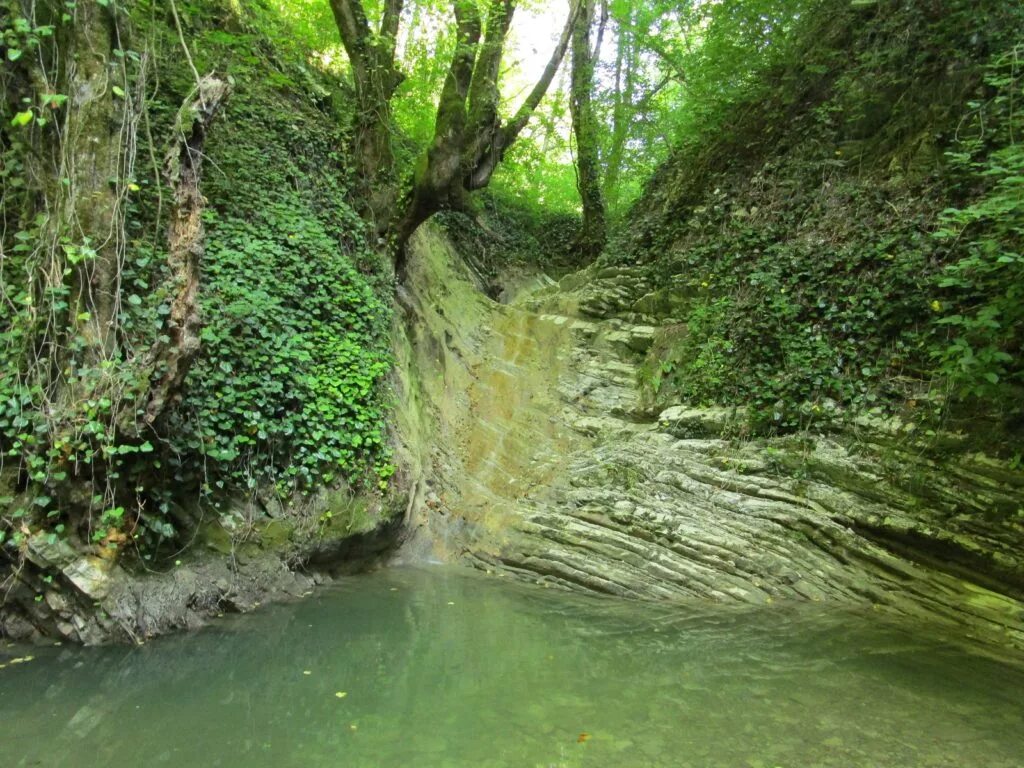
441,668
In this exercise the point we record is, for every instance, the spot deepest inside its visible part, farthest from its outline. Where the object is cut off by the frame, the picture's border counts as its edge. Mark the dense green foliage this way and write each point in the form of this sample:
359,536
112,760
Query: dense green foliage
506,236
296,342
849,222
984,285
287,391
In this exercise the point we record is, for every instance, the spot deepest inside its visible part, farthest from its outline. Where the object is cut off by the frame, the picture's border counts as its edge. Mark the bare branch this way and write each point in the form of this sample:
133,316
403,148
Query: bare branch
185,239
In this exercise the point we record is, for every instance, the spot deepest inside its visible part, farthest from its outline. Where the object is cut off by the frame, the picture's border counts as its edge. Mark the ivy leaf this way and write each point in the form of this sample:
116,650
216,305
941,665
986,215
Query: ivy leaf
22,118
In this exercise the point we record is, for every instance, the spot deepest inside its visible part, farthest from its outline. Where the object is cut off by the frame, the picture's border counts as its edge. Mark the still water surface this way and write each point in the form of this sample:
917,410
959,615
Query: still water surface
437,668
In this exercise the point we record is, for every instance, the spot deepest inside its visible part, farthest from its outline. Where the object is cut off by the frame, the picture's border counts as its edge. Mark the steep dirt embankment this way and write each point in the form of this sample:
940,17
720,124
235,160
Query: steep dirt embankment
536,457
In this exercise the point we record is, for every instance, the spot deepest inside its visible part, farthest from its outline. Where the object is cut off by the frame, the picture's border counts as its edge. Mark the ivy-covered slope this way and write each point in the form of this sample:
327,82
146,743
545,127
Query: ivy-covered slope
286,396
295,347
849,230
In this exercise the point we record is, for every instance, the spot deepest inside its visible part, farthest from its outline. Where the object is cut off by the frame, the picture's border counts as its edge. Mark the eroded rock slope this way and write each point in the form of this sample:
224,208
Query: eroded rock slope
536,456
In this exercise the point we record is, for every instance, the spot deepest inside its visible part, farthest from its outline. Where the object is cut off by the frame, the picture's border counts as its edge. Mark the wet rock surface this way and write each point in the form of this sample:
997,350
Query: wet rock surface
549,465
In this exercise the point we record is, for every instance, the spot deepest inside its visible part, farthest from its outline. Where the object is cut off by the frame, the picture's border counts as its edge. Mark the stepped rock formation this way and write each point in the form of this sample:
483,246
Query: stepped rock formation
537,457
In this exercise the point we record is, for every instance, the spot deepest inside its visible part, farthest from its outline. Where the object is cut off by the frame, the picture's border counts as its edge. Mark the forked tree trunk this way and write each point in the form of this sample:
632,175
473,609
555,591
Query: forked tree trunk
625,89
375,77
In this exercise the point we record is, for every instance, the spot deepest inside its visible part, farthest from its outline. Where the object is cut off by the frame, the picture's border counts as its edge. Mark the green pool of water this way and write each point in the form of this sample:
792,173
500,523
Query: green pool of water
438,667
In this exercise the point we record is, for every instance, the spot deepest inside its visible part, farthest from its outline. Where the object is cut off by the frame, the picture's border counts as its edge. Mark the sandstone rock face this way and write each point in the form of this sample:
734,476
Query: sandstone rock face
538,457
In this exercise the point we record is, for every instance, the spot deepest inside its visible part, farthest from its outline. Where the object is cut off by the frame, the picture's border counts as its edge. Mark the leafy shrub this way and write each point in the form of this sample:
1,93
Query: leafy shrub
295,346
984,285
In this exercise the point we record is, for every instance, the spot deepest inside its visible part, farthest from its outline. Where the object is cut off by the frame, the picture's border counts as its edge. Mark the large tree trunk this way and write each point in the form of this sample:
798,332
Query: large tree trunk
97,154
585,129
91,155
71,353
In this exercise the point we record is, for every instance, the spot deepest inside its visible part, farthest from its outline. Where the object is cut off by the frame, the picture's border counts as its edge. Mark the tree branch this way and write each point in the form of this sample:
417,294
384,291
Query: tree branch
522,117
355,35
389,34
595,54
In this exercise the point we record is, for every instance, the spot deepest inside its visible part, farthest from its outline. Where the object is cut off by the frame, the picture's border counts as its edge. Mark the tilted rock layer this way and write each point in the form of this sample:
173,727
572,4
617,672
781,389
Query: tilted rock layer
537,456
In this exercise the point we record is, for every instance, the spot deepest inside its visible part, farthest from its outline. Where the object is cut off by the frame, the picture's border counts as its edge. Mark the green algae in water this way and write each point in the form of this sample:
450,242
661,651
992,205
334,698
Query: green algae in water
442,668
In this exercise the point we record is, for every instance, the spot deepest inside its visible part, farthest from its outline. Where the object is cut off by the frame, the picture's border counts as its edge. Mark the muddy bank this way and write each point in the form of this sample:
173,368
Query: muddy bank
238,560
